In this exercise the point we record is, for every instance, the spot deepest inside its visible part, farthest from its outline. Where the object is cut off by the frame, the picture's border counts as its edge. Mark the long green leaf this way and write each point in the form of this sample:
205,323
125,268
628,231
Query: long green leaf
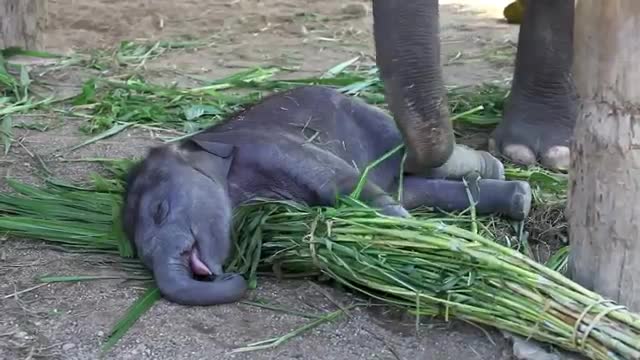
133,313
116,129
6,133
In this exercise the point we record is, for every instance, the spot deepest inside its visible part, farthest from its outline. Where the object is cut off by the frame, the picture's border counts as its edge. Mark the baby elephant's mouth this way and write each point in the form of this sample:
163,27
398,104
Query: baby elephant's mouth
197,266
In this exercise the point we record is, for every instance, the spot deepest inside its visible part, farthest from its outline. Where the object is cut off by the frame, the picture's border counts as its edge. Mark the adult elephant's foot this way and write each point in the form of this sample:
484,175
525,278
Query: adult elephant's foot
534,133
540,114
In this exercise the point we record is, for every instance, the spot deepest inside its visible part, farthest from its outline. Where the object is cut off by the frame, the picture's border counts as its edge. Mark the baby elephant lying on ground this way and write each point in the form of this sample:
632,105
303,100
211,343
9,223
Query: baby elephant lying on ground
308,145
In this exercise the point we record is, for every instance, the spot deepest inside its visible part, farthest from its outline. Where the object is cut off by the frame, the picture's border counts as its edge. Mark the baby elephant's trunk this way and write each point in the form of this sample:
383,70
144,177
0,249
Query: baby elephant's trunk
173,277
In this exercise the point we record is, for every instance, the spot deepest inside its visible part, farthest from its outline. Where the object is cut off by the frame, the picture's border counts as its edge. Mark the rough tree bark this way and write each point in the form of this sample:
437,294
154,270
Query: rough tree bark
604,186
22,23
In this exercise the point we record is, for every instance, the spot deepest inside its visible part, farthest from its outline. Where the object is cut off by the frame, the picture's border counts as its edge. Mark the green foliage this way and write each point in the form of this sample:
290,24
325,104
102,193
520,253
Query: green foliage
77,219
14,94
133,313
113,105
549,187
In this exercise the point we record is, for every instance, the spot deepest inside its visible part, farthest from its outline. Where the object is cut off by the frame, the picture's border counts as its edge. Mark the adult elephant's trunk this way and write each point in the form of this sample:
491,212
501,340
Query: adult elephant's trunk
408,57
174,279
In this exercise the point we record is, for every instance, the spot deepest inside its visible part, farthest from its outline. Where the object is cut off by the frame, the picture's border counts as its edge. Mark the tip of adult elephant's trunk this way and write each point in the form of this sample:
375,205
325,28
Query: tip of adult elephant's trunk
176,282
428,146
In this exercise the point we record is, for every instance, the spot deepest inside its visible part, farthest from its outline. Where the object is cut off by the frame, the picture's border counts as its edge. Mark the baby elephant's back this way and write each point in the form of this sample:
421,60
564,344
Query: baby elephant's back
357,132
321,117
344,125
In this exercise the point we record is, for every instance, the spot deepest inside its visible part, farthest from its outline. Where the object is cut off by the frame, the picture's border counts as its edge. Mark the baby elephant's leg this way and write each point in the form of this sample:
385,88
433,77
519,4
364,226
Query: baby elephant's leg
508,198
371,194
329,177
344,180
466,160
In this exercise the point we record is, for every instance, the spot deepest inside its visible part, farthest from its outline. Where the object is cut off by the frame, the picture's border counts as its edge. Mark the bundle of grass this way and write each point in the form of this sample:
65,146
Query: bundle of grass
434,265
431,265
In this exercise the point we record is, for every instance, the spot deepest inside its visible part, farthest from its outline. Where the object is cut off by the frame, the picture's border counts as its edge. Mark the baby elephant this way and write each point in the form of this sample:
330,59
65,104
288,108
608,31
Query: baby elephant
308,145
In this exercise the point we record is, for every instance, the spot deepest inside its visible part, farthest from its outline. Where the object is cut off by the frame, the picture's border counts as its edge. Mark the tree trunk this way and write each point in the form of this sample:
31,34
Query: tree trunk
22,23
604,186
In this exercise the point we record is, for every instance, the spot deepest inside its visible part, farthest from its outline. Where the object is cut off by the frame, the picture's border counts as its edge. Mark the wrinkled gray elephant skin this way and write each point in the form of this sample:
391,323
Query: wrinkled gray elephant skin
308,145
539,115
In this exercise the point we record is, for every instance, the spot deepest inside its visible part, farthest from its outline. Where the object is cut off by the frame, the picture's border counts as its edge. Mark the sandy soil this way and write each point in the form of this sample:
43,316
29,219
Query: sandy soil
69,321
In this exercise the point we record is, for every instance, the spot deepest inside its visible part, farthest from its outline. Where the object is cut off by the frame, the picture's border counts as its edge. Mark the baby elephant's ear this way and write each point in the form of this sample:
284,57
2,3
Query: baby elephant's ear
211,146
215,161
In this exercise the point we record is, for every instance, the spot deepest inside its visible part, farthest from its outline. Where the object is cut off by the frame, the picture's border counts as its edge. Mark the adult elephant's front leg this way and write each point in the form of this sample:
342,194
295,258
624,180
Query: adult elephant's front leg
408,55
540,113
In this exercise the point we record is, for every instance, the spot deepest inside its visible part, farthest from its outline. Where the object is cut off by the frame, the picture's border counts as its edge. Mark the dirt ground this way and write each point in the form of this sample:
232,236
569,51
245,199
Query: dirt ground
70,321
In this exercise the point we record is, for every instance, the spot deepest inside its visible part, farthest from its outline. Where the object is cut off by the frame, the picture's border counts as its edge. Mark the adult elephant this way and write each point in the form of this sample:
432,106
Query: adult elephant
539,115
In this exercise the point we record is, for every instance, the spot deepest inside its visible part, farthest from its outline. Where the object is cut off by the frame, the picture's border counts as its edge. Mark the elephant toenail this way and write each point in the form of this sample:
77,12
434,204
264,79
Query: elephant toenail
557,158
520,154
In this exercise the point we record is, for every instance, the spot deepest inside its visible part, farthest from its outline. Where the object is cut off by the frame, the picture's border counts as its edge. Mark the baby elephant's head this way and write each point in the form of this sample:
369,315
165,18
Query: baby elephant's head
178,214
